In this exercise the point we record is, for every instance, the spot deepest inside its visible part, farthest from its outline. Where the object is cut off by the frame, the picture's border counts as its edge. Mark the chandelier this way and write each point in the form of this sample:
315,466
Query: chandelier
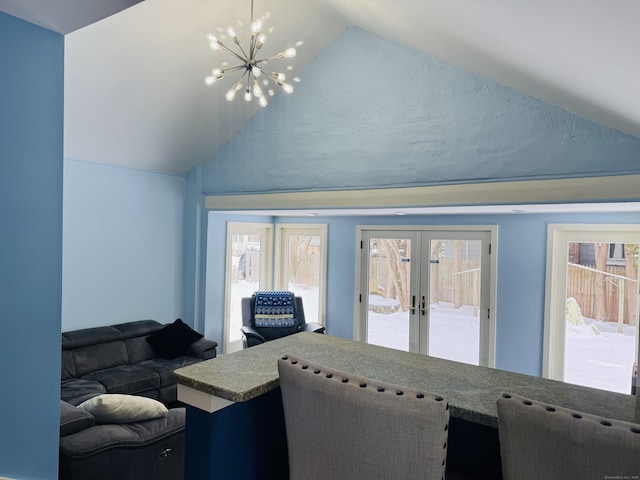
251,66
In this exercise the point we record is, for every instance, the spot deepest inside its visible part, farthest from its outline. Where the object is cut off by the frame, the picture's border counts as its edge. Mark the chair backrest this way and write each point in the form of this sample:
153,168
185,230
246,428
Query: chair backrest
542,441
271,333
345,426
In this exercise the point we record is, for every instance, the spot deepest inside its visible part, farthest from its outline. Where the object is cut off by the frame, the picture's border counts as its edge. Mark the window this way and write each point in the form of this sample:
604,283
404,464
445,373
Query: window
248,268
301,264
591,310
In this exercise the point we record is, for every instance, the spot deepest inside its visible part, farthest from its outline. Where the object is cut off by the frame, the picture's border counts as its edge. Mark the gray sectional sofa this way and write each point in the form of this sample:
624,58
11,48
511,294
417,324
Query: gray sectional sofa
135,358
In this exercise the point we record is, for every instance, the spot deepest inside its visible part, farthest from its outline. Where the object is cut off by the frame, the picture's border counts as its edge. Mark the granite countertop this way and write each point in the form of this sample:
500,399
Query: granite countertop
472,391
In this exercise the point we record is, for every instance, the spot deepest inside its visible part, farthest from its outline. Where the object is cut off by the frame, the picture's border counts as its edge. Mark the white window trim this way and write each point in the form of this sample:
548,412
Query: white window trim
266,256
558,235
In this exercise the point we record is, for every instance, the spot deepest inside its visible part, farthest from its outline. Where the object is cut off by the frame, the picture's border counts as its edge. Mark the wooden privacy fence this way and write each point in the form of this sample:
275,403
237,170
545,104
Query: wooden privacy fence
443,281
619,295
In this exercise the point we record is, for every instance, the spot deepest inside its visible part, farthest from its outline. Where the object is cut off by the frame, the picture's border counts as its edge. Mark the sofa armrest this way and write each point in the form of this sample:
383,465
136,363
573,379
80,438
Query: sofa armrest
312,327
74,419
203,348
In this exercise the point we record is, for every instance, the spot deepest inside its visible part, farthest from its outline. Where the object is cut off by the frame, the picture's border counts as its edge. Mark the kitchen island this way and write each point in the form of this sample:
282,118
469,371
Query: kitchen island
235,422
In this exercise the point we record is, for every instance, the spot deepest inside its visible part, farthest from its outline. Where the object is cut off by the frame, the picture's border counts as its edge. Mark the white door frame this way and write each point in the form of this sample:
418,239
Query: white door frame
487,356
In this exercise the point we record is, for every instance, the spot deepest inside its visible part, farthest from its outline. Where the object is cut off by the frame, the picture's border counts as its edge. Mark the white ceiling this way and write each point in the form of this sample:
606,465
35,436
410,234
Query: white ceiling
134,91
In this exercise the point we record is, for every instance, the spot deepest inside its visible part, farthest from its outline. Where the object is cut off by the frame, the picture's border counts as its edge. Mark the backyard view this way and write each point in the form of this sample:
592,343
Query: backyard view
601,313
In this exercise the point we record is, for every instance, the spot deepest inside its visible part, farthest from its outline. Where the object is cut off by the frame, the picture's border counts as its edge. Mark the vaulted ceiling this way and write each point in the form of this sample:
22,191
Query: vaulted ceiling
134,90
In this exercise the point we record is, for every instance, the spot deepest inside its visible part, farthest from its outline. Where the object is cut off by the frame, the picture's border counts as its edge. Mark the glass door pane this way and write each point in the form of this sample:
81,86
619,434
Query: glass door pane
454,299
388,293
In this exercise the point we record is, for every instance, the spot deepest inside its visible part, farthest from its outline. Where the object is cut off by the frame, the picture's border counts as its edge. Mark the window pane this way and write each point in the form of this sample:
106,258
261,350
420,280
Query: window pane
303,271
600,336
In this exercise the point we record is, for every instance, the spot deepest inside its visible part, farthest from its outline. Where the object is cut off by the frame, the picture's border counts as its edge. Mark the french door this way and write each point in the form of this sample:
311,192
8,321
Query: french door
428,291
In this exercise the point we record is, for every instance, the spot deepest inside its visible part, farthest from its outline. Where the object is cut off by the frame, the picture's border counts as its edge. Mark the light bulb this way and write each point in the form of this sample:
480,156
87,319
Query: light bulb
278,77
256,71
287,88
209,80
261,39
257,91
231,94
232,32
256,26
290,52
263,101
247,94
211,37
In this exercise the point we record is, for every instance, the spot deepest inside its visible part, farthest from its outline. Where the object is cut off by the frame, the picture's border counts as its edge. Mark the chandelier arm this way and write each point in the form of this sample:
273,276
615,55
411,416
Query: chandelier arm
252,47
234,54
246,57
234,69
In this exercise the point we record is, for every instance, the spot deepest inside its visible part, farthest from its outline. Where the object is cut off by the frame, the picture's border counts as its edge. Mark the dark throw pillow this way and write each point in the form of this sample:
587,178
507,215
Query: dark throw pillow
173,340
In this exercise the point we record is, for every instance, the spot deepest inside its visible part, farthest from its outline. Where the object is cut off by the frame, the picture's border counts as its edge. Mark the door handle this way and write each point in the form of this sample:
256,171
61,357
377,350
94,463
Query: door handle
423,305
413,305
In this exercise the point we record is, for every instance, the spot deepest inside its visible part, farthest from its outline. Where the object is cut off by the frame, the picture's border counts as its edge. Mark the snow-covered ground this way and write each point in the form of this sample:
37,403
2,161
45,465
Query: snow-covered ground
596,355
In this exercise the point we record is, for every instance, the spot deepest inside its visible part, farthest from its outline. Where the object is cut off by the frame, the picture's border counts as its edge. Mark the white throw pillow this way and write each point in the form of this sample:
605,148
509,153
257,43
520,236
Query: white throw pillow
117,408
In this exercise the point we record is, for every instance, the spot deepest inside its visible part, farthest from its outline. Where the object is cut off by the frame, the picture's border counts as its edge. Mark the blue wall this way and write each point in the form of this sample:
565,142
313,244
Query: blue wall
371,114
31,118
123,245
521,274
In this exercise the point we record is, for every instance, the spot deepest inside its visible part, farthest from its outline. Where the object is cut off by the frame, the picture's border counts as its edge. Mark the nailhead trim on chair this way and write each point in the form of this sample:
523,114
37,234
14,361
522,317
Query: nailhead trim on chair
330,375
549,408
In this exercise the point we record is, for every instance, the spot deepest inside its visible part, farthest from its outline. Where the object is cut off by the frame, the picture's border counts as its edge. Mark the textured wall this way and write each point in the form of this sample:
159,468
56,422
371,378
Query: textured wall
370,113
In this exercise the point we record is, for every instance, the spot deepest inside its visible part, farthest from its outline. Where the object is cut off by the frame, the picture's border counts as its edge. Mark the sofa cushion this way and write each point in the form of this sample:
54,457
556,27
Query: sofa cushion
164,367
89,336
139,328
173,340
68,367
139,350
77,390
129,379
116,408
74,419
99,357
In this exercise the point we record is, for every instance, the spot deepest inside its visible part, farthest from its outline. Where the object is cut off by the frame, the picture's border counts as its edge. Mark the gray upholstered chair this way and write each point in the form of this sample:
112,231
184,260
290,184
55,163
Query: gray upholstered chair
542,441
255,334
342,426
